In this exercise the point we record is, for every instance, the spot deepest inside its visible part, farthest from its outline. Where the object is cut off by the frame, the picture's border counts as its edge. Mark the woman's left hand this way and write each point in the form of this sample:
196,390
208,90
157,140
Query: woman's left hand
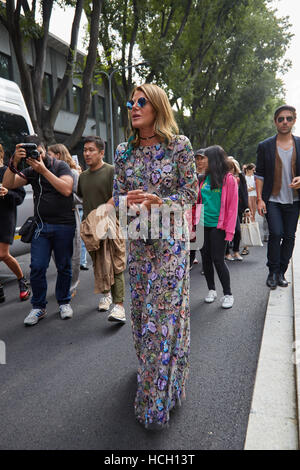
3,191
150,199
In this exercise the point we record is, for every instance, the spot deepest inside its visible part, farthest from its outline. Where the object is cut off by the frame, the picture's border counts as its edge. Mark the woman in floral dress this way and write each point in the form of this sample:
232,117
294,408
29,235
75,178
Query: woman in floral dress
157,167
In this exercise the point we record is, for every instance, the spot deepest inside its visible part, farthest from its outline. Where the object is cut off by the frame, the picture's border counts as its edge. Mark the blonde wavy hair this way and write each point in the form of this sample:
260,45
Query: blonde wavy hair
63,153
165,125
1,155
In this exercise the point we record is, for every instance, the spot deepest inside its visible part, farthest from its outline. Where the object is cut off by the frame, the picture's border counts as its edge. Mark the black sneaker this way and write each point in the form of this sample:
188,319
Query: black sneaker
24,288
2,296
84,268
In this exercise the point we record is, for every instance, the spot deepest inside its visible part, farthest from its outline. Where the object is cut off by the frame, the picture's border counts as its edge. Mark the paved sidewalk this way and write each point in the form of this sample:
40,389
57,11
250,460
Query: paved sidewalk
273,420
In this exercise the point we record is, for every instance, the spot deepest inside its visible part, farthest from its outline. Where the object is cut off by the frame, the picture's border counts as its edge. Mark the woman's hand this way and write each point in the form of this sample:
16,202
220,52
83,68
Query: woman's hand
3,191
135,197
142,198
150,199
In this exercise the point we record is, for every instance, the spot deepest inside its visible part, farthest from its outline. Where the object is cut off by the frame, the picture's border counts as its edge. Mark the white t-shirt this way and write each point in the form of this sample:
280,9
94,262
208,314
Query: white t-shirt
251,184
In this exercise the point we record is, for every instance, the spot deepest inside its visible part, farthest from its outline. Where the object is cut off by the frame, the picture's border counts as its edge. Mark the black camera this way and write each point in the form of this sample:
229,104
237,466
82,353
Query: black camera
31,151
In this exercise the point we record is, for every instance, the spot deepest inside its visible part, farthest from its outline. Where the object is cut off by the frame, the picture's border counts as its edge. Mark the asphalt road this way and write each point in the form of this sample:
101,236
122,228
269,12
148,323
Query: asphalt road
71,384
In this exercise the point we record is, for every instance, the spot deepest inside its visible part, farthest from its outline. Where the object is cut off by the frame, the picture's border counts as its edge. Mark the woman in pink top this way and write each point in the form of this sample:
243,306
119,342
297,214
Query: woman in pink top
218,194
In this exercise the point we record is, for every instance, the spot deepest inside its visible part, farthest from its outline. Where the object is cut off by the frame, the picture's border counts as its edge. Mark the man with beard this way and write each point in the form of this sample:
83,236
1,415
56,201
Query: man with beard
277,187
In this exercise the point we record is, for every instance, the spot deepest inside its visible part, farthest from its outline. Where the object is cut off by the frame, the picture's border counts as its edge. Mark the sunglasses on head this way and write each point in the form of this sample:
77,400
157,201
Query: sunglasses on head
288,118
140,102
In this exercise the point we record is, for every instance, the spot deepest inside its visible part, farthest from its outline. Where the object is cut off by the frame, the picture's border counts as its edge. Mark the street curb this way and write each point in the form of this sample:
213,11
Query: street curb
296,299
273,419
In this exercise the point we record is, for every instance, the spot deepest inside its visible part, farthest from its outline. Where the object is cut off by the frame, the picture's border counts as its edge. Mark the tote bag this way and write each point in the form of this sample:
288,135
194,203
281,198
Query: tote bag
250,234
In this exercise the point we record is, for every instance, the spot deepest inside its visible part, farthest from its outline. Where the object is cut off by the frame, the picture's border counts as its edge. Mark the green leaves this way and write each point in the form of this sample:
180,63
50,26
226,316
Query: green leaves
218,61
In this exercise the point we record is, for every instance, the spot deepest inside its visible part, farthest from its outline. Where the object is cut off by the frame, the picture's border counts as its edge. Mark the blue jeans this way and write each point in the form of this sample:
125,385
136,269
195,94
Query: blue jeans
282,222
58,238
83,252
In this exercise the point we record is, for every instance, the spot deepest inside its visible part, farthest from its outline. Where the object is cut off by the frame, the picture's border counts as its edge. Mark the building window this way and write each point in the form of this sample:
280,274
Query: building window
66,101
101,107
47,89
76,93
5,66
92,108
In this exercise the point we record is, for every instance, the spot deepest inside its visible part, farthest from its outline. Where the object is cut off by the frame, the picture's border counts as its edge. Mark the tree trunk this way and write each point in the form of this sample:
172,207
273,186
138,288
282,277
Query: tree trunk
50,115
87,76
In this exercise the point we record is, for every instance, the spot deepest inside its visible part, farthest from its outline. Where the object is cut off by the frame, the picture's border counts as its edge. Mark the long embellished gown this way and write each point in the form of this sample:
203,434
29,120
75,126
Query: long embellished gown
159,277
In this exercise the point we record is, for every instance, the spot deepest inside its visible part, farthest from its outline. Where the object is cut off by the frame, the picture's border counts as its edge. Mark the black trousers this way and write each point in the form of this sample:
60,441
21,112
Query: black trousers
213,253
282,222
236,239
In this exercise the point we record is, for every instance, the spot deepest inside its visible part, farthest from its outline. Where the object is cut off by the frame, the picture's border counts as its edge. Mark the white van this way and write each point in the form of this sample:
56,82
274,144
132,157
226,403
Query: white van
15,124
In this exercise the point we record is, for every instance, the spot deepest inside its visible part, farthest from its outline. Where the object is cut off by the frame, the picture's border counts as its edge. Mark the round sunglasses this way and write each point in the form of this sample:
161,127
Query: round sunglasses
288,118
141,102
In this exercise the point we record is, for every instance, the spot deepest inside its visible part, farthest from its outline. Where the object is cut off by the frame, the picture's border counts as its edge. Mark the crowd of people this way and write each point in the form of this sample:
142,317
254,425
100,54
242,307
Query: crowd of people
77,211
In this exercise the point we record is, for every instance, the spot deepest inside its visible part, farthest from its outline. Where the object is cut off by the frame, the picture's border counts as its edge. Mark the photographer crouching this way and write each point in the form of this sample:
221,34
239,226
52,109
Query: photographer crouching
52,183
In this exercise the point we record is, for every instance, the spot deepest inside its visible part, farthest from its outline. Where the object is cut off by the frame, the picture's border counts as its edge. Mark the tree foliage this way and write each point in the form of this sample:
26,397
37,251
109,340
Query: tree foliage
20,18
217,60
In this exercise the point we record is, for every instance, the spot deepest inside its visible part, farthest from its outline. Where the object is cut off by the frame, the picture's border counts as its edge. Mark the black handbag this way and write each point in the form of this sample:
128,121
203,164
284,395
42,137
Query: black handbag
27,230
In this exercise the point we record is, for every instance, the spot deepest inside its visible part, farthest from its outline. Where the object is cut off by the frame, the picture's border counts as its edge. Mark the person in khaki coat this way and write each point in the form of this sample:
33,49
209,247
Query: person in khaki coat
95,187
100,233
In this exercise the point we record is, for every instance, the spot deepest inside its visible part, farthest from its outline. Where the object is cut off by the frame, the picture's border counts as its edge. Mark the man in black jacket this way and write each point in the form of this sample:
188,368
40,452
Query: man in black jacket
52,184
277,187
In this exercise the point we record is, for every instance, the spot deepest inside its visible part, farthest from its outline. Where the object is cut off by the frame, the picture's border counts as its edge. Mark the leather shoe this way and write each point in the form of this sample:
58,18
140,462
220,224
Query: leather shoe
272,281
281,281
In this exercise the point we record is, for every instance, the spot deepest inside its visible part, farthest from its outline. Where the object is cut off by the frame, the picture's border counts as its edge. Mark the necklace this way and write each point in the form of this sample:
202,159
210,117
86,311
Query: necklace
148,138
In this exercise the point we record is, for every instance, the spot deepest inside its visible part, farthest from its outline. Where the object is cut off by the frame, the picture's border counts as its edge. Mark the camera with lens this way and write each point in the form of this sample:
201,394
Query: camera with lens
31,151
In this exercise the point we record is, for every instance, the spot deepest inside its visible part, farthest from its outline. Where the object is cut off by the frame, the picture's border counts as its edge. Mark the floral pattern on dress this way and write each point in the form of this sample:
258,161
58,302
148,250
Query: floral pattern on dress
159,278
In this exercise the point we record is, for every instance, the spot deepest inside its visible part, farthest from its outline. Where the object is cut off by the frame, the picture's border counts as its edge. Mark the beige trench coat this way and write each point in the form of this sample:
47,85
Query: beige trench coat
100,234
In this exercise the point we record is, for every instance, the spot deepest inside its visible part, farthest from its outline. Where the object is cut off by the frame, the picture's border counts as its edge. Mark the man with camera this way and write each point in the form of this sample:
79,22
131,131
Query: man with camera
52,183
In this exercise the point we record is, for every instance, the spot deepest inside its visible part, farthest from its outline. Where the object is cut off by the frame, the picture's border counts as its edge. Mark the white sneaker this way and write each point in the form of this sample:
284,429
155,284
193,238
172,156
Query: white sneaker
117,314
237,257
65,311
227,301
211,296
34,316
105,302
